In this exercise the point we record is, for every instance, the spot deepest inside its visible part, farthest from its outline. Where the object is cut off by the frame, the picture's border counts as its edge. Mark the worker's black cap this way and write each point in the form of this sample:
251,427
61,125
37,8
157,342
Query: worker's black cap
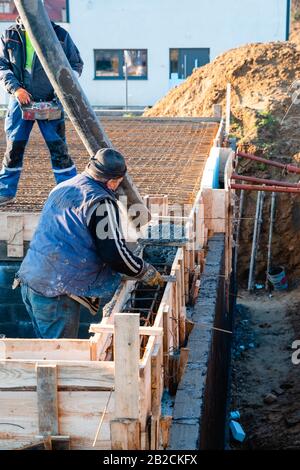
107,163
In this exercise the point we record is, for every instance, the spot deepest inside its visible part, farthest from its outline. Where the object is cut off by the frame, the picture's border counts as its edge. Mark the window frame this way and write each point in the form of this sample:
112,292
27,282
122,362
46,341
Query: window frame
180,49
56,21
121,76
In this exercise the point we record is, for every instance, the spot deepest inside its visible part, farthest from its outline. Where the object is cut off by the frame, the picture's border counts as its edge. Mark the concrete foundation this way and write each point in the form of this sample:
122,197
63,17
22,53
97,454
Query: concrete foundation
200,406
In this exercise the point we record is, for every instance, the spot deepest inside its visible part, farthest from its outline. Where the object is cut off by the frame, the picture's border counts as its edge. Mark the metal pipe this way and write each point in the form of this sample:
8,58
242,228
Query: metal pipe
251,267
238,230
284,184
228,109
255,240
289,168
253,187
272,217
66,85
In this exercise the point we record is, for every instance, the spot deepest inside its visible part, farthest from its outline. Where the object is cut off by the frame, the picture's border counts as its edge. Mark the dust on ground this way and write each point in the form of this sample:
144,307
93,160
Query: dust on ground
262,369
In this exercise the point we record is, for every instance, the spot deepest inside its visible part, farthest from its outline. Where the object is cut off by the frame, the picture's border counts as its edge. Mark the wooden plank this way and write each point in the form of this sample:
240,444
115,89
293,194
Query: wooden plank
154,434
183,358
182,333
218,210
145,393
207,200
45,349
186,275
79,415
15,241
47,399
214,209
158,205
101,342
174,317
143,330
156,380
189,325
127,355
165,425
70,375
125,434
30,222
173,373
166,345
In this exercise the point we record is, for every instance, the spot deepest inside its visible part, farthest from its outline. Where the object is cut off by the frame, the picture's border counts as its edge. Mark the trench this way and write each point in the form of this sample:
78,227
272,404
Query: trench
265,385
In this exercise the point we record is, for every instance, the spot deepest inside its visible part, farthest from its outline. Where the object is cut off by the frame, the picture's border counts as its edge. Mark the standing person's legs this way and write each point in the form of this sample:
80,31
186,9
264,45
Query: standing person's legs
54,133
17,132
52,317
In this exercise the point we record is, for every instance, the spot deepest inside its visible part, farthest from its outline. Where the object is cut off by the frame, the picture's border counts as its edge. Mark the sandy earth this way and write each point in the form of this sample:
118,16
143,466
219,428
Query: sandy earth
269,326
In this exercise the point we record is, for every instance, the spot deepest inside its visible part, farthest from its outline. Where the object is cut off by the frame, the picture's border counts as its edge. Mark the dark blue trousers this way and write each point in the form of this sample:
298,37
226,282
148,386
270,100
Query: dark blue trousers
52,317
17,132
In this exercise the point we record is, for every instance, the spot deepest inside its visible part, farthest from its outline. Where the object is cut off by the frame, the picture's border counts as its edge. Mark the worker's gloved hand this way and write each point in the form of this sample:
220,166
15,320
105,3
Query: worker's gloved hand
23,96
151,276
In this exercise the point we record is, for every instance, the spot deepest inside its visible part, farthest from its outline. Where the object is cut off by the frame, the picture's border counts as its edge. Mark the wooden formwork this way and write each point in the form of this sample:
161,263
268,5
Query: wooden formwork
64,387
100,393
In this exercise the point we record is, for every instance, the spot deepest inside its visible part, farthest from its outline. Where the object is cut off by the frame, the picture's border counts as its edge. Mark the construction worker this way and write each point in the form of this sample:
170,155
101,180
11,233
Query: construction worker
22,76
78,250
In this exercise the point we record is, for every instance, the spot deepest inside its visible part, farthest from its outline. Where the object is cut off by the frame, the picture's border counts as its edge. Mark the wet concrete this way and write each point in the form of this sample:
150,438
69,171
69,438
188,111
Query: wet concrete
156,254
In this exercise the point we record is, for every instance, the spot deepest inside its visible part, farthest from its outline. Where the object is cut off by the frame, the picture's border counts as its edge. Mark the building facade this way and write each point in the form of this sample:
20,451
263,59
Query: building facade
148,46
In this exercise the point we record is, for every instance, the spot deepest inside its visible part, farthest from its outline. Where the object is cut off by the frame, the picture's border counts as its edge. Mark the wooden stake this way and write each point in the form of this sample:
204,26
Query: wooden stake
47,399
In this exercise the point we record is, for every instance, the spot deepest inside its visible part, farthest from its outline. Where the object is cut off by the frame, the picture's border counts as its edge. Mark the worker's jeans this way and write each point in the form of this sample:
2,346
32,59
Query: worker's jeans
17,132
52,317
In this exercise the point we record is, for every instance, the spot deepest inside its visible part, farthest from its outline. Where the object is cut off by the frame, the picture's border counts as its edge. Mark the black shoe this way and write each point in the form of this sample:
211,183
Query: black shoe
5,200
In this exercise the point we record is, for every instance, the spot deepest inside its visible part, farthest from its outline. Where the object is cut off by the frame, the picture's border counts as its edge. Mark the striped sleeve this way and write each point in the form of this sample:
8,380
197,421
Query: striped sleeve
105,228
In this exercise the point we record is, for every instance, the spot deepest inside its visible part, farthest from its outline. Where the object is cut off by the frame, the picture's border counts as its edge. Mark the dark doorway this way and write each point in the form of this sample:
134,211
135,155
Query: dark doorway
184,60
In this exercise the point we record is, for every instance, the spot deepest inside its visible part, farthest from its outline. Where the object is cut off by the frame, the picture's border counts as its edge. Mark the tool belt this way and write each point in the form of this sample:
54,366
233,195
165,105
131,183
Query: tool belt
41,110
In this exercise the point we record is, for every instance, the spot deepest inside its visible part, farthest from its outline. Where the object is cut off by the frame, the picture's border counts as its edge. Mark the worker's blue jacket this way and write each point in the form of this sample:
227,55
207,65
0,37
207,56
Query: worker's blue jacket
13,74
62,257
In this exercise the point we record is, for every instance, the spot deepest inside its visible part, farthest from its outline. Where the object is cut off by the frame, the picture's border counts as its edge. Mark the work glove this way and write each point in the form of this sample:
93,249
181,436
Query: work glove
23,96
151,276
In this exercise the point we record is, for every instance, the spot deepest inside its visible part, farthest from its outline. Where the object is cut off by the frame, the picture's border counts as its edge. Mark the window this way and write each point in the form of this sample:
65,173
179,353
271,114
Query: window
184,60
117,63
57,10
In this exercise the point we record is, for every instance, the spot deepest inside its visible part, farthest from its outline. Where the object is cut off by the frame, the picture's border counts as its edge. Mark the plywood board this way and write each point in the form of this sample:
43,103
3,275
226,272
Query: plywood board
90,375
43,349
79,416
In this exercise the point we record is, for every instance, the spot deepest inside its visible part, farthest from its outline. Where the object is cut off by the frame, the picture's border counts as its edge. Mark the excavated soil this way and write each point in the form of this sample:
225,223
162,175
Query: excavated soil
265,120
265,382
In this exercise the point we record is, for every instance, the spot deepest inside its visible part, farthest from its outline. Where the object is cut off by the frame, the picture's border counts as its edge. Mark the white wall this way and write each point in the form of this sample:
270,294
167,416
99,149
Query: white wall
158,25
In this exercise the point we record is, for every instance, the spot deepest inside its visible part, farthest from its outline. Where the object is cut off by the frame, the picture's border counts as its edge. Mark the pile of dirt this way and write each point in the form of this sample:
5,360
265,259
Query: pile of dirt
261,76
265,120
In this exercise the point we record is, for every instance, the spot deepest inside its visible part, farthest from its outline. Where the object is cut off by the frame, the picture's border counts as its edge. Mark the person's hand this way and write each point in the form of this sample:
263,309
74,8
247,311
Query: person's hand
152,277
23,96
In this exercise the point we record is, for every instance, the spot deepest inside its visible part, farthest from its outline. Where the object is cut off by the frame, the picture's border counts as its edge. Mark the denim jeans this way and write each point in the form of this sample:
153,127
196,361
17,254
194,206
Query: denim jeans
17,132
52,317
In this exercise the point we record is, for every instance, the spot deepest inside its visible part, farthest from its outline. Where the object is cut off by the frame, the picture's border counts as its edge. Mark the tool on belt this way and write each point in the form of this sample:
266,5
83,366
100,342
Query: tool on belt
41,110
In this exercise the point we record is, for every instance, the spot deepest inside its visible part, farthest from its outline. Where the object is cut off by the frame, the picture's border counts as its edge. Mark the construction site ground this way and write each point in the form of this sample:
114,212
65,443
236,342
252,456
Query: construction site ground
265,382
